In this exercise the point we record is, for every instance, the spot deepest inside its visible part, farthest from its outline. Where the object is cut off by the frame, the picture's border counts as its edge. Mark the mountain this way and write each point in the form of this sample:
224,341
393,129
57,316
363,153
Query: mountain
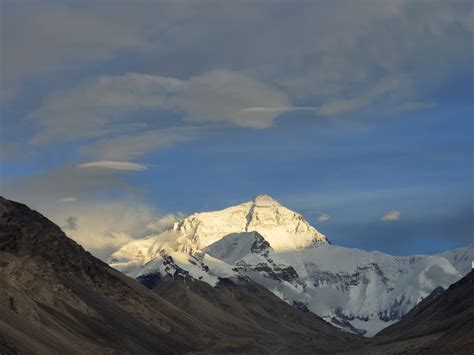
56,298
460,258
440,324
356,290
264,324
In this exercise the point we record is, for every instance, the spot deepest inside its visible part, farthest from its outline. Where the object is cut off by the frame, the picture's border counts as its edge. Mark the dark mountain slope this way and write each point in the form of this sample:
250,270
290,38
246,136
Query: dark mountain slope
57,298
440,324
253,315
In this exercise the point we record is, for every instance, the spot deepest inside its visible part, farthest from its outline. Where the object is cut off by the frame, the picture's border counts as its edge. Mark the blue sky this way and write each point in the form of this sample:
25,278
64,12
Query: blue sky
356,114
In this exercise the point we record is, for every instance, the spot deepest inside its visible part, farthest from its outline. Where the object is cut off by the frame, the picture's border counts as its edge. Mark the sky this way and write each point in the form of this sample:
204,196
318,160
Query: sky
120,117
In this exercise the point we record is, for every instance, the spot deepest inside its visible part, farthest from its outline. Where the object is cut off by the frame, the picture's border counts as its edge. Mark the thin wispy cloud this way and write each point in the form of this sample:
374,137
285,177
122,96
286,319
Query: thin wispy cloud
136,145
384,87
391,216
113,165
103,106
323,217
66,200
278,109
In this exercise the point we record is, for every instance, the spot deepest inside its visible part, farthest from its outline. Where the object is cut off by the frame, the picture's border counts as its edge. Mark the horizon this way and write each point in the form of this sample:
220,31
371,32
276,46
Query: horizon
356,115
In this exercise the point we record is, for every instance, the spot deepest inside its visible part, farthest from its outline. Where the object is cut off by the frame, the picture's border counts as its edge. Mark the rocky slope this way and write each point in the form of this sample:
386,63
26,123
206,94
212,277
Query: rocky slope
356,290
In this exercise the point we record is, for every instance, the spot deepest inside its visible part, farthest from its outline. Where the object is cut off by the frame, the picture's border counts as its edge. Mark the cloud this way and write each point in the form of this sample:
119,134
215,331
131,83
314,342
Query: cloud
328,51
103,227
106,211
66,200
144,59
114,165
277,109
49,36
221,96
341,106
418,105
323,217
162,223
334,67
84,184
391,216
102,106
139,144
100,211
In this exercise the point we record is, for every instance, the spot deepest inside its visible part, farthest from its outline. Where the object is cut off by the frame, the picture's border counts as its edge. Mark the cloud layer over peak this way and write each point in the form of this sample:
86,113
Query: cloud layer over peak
102,106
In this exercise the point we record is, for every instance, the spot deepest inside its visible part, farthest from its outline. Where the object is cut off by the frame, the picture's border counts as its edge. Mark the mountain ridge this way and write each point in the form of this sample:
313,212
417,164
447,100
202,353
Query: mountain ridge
364,290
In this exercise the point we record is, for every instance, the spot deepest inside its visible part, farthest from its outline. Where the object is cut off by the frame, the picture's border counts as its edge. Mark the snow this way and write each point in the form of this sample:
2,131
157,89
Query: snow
278,248
282,228
460,258
372,327
232,247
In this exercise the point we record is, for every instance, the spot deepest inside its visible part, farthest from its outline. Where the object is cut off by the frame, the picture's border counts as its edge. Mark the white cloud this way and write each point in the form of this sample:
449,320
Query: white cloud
84,184
162,223
102,106
66,200
114,165
139,144
323,50
278,109
99,223
102,227
336,66
384,87
391,216
222,95
323,217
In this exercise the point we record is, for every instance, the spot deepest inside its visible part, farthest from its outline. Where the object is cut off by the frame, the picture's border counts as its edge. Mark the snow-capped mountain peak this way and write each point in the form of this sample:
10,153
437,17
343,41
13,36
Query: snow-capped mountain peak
277,248
282,228
263,200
